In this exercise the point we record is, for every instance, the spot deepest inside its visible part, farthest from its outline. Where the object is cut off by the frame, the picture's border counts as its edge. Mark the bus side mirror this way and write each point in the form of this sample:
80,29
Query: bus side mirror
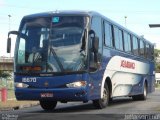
95,44
8,45
13,32
9,40
95,41
94,51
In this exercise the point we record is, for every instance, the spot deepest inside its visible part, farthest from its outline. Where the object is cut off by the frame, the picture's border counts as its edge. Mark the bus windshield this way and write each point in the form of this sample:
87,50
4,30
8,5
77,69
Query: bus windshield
51,44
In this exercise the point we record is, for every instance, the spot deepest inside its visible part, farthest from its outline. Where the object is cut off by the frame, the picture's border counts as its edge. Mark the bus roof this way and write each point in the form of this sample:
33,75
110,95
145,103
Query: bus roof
83,13
66,12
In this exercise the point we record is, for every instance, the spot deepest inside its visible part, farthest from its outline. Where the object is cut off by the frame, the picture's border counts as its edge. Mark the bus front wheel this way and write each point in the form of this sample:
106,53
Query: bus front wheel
102,102
48,105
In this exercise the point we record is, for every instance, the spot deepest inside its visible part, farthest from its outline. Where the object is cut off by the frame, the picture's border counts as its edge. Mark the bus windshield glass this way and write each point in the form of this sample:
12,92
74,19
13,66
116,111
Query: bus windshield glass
51,44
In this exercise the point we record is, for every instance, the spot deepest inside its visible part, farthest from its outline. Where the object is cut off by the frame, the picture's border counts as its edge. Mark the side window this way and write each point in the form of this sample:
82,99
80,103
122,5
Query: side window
108,34
135,46
127,42
148,53
97,27
152,52
96,57
21,51
44,35
142,48
118,38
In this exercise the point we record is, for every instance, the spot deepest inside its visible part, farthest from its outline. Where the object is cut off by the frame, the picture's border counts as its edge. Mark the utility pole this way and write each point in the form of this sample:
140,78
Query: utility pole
9,26
125,21
9,22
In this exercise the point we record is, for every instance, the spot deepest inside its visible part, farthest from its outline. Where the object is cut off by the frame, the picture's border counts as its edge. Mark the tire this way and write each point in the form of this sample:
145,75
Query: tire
48,105
102,102
142,96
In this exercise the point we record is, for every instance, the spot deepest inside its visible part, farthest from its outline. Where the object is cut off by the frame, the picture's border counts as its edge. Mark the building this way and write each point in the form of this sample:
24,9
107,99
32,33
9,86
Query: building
157,78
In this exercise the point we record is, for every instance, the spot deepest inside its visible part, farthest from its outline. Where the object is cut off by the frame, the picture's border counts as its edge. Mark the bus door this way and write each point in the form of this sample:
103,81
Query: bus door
96,75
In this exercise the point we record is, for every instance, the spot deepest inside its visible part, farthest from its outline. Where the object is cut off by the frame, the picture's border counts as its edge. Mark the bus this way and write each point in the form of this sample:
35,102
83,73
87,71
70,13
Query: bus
66,56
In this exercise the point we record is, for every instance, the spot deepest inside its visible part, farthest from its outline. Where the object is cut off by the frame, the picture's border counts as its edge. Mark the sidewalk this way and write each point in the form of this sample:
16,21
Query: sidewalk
14,105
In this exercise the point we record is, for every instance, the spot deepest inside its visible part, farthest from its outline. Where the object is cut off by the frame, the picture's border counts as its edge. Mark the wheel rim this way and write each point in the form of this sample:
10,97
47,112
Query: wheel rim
145,91
105,96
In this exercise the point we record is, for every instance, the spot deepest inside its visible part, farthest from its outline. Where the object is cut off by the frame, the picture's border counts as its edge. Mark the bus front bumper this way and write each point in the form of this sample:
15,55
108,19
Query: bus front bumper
58,94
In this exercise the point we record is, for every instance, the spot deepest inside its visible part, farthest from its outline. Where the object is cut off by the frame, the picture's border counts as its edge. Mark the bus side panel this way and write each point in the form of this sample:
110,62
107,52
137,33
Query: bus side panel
127,75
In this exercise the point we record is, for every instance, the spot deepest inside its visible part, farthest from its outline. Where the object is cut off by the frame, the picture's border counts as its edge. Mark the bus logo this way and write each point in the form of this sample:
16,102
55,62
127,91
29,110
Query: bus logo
127,64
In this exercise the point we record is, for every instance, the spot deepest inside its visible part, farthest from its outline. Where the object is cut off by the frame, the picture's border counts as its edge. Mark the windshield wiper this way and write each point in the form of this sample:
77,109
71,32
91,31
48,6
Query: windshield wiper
57,59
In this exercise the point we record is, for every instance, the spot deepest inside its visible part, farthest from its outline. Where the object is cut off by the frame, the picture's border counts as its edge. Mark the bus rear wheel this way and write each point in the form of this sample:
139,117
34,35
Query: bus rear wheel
142,96
102,102
48,105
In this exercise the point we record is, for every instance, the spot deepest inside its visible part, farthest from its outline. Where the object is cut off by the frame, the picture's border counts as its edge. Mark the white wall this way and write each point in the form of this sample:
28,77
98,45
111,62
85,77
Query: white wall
157,78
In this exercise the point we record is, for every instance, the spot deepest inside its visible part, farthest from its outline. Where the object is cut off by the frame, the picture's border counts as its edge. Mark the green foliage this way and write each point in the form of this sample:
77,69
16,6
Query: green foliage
5,74
6,79
156,53
157,85
157,65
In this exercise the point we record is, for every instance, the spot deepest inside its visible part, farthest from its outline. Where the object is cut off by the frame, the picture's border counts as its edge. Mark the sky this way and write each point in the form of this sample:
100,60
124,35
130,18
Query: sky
139,14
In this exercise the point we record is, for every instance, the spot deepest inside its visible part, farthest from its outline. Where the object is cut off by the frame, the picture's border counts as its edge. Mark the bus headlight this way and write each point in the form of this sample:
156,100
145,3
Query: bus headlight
21,85
77,84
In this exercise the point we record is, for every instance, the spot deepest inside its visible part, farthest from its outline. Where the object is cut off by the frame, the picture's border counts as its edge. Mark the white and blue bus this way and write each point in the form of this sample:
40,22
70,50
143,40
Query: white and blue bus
68,56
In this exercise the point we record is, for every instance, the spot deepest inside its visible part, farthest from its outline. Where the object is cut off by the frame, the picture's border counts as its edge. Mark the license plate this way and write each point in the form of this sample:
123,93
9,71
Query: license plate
46,95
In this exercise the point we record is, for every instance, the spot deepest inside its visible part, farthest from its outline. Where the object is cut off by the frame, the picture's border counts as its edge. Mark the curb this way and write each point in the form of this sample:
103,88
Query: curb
19,107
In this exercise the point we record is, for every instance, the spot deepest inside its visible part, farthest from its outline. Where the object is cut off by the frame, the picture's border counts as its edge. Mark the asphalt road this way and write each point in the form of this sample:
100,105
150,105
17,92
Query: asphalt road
119,109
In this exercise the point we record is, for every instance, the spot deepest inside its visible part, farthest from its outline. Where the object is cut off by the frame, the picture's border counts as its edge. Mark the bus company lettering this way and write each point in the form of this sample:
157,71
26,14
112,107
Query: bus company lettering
127,64
33,79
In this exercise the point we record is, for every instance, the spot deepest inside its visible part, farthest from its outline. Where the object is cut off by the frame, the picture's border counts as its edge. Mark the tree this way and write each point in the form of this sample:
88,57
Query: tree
157,63
156,53
5,74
